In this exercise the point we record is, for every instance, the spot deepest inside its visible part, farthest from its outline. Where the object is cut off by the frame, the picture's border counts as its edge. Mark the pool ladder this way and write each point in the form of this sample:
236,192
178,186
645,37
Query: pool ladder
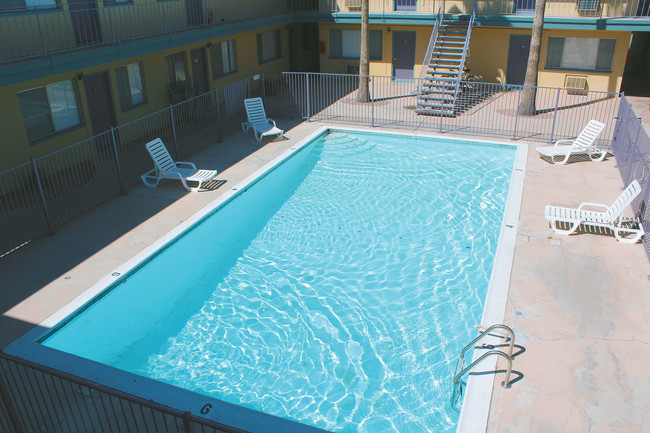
461,370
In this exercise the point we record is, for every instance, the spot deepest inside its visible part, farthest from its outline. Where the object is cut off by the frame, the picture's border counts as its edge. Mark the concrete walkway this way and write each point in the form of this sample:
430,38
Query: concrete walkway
579,304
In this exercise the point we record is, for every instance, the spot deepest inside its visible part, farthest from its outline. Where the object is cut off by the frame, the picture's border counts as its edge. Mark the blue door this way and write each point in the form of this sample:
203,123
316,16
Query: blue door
403,55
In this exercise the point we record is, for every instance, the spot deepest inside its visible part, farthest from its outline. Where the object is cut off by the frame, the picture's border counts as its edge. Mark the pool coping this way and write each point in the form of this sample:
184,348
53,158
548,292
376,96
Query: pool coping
250,419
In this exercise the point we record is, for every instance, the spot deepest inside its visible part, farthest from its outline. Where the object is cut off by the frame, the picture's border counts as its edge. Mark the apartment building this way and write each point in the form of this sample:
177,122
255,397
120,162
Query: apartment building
71,69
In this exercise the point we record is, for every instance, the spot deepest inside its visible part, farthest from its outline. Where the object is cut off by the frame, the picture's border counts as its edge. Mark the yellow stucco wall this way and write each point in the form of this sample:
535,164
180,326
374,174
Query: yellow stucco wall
155,81
384,67
489,57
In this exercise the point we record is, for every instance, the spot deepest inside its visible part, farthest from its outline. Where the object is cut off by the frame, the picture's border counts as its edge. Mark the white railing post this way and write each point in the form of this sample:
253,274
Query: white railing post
514,133
557,102
46,212
308,98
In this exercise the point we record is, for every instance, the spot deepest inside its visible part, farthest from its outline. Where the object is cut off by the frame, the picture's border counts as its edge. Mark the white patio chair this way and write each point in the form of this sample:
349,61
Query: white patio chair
611,218
581,145
257,120
166,168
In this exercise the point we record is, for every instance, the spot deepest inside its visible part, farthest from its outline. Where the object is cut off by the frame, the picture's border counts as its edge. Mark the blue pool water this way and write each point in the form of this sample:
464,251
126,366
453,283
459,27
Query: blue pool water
336,291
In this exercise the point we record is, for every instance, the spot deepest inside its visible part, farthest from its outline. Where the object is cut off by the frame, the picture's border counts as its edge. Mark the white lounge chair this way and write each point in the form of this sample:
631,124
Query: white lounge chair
581,145
611,218
166,168
257,120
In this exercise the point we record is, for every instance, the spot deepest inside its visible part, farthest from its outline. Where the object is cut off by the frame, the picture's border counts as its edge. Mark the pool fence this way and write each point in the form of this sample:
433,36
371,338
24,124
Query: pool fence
41,195
37,399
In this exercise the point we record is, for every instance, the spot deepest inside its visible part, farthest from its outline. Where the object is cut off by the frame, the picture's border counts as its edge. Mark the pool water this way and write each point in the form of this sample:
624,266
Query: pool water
337,291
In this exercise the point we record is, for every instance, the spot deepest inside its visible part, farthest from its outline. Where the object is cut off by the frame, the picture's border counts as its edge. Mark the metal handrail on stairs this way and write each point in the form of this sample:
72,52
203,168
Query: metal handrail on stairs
462,370
468,36
429,52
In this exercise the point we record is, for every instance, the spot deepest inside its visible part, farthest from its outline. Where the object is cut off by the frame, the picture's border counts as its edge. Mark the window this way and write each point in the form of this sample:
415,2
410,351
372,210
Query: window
129,85
27,4
224,59
49,109
585,54
114,2
346,44
268,46
176,67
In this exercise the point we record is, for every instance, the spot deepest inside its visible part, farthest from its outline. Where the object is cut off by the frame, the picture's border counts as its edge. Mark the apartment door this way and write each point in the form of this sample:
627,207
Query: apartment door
517,58
85,24
199,74
194,10
100,105
403,55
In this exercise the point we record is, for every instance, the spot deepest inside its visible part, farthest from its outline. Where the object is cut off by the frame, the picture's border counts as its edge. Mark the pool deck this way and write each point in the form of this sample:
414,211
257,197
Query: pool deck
579,305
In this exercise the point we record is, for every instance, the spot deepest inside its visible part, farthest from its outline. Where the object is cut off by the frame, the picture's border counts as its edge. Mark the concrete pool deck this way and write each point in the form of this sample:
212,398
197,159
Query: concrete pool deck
579,304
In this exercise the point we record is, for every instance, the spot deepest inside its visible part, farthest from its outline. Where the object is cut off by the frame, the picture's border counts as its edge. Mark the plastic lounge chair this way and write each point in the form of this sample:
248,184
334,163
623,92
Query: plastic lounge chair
581,145
257,120
166,168
611,218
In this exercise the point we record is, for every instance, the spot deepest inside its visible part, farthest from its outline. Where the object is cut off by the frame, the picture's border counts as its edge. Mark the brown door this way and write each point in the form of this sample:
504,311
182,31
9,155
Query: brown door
100,105
518,51
199,75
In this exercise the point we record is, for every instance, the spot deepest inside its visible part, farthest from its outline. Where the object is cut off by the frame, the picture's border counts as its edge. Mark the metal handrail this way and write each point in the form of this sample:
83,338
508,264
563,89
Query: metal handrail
461,370
485,333
468,36
432,43
505,383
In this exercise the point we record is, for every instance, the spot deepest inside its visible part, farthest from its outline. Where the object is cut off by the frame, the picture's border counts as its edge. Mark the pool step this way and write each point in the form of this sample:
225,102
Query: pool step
341,143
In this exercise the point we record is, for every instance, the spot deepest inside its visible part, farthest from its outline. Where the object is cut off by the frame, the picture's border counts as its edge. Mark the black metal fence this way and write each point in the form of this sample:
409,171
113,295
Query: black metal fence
36,399
631,146
40,196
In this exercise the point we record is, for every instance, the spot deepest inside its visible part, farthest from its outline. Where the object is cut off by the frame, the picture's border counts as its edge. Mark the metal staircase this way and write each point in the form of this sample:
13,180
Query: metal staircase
439,87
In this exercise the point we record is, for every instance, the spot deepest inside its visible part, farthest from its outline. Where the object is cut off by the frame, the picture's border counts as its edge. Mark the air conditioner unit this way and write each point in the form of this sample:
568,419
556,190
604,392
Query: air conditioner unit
352,69
575,84
588,5
353,4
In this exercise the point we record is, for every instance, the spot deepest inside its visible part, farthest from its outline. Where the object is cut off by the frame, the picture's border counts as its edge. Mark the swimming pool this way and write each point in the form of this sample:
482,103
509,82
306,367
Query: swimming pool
331,290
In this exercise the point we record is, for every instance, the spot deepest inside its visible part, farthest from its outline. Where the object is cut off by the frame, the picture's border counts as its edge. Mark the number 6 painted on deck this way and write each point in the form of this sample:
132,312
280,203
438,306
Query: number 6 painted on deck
205,409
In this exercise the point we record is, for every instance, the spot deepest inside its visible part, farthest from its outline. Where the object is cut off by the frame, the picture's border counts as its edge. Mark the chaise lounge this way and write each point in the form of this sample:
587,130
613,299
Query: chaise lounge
624,229
257,120
581,145
166,168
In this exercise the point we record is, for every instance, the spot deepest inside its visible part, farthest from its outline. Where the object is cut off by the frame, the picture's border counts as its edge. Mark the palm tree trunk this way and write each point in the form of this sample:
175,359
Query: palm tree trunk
529,92
364,58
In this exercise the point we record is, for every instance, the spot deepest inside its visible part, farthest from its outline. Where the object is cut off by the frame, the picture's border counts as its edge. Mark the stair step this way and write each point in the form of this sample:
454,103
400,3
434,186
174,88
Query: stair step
433,81
445,97
438,106
440,59
440,53
442,69
455,74
446,47
438,85
451,43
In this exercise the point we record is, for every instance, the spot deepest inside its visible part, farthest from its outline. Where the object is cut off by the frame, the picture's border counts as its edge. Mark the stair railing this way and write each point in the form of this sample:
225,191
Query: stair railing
432,43
461,66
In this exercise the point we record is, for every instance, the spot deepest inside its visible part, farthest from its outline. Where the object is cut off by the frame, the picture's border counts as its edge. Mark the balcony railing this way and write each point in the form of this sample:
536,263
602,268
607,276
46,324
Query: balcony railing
31,32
